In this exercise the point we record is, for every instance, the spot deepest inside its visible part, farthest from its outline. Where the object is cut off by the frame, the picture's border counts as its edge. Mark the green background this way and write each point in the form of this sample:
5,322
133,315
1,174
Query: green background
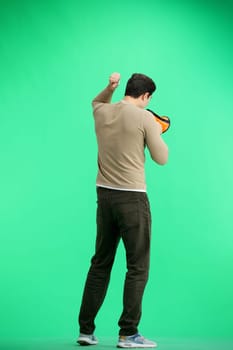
55,56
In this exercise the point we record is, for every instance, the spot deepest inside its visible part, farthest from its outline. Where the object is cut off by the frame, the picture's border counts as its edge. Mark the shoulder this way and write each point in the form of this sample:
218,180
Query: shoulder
148,117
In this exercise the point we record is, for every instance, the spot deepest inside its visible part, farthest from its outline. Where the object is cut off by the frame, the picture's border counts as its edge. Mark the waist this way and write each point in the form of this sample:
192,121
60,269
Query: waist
120,188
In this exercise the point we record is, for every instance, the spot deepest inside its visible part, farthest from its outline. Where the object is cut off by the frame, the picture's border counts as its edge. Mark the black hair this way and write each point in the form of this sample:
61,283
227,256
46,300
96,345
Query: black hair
138,84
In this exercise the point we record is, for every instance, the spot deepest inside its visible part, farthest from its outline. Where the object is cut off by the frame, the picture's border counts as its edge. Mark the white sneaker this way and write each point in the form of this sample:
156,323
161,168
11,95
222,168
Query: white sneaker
135,341
87,339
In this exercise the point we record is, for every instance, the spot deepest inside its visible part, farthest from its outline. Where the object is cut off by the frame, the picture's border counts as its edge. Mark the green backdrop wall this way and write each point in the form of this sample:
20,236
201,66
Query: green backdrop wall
55,56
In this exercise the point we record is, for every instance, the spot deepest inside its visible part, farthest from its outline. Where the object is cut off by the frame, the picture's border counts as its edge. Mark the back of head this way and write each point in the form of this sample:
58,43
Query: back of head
139,84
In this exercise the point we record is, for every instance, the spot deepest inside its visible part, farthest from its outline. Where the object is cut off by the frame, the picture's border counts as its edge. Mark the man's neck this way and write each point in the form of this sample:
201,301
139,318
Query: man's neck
132,100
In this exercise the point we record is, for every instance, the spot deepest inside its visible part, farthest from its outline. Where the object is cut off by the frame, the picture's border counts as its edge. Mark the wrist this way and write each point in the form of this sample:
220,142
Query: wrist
110,88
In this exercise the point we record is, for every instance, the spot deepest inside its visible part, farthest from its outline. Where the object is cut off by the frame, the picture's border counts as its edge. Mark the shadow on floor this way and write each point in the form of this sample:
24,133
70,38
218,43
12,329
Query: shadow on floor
110,343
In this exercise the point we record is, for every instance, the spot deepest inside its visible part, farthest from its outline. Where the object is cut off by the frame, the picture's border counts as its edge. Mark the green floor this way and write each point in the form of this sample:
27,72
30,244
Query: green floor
110,343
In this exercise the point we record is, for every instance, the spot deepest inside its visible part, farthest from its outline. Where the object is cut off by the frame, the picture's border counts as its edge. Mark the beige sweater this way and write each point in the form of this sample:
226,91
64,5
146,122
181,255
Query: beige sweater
123,130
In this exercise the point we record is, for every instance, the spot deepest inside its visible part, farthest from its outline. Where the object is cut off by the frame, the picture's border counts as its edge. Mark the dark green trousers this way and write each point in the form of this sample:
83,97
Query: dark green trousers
120,215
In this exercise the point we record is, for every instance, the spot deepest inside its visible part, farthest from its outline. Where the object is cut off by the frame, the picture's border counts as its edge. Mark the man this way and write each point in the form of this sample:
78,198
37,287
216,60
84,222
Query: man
123,130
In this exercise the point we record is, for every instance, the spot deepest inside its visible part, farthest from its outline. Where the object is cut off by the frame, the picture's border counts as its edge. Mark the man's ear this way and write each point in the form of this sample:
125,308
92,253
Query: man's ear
145,96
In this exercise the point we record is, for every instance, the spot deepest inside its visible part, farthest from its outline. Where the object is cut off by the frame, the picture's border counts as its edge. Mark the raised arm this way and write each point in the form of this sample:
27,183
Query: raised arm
105,96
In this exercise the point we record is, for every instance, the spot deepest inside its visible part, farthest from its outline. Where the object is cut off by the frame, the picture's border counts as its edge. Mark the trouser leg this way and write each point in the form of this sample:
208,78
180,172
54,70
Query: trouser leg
135,225
101,264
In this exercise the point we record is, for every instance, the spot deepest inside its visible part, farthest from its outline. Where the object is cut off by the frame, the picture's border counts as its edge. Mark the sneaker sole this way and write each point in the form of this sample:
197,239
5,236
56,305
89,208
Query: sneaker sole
85,342
135,346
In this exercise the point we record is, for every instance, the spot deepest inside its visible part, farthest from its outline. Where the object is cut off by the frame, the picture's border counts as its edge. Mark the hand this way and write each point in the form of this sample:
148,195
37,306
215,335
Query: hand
114,80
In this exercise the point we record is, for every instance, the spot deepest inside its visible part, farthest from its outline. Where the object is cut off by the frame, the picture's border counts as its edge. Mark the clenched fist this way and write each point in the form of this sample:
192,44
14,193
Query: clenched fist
114,80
